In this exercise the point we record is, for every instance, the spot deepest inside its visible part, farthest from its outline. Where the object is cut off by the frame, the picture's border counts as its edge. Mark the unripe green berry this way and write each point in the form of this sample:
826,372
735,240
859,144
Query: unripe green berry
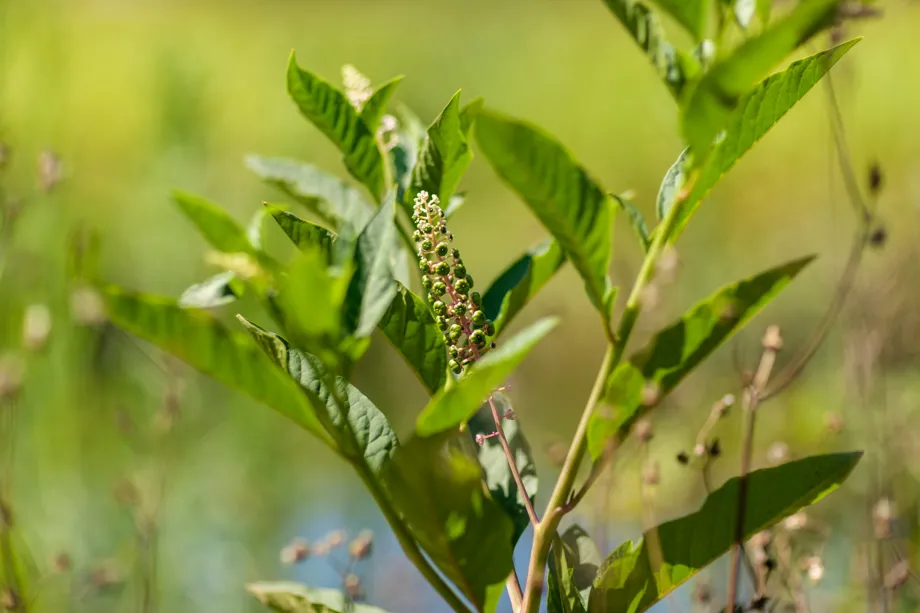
442,323
469,279
427,244
462,286
443,229
424,265
442,249
427,228
455,366
455,253
439,288
476,299
453,351
478,338
489,328
479,318
460,271
439,308
416,236
459,309
455,332
442,268
426,282
432,298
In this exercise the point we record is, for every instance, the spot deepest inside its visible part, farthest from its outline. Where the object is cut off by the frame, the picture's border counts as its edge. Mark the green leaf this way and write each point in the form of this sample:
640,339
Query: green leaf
575,562
200,340
438,491
216,291
456,404
636,576
636,220
756,114
410,327
764,7
456,201
496,471
256,229
444,157
709,106
217,227
691,14
672,183
520,282
304,234
564,198
373,285
365,436
329,110
376,106
469,113
334,200
291,597
679,348
410,134
674,67
744,11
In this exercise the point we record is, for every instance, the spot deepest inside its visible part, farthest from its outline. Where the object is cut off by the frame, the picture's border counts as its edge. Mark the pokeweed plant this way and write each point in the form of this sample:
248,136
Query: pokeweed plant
460,492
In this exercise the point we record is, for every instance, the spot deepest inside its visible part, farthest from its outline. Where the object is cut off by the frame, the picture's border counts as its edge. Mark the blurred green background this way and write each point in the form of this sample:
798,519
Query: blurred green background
139,97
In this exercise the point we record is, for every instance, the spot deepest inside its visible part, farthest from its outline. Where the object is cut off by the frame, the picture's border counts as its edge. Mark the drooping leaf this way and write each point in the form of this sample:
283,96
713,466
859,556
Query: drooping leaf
496,471
328,109
691,14
672,183
304,234
520,282
574,563
438,491
636,220
636,575
256,229
373,285
756,114
334,200
410,327
200,340
673,66
217,227
444,157
216,291
679,348
709,106
410,134
362,433
376,106
291,597
561,194
455,405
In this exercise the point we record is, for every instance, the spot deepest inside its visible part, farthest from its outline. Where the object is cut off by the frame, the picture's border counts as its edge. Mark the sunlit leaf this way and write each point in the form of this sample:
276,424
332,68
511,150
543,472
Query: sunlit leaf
679,348
376,106
217,227
328,109
756,114
216,291
200,340
334,200
255,231
438,491
574,563
636,576
575,210
304,234
636,220
520,282
456,404
290,597
709,106
672,183
410,326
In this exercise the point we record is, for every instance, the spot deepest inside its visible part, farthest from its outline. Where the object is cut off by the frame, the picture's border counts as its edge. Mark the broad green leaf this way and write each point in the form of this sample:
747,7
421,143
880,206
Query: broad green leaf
217,227
497,472
679,348
636,220
456,404
291,597
764,7
255,231
444,157
756,114
520,282
334,200
709,106
329,110
304,234
564,198
672,183
365,435
674,67
438,490
410,134
469,113
216,291
376,106
200,340
637,575
691,14
410,326
572,569
373,285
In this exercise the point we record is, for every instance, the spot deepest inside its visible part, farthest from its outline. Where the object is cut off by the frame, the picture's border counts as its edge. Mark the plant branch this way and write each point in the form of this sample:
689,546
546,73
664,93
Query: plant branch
512,464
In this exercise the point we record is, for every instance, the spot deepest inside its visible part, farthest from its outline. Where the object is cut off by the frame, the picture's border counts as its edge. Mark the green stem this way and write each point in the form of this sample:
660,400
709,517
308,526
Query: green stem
546,530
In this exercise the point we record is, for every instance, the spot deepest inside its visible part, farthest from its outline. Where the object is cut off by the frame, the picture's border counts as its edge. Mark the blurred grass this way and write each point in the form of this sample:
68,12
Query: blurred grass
140,97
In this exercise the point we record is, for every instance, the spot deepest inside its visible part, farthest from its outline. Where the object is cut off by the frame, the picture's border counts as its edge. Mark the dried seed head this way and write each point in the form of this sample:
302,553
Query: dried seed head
360,546
296,551
644,431
36,327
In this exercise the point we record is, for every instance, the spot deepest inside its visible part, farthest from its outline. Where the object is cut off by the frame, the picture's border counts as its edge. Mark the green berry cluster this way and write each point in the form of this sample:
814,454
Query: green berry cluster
457,307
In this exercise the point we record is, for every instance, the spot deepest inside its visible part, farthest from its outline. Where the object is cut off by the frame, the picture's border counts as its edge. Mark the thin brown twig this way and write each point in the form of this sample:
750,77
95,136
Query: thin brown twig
512,463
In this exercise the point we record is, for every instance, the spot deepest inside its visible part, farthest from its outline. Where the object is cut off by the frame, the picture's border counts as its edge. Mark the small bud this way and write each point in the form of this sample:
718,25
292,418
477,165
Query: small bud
683,458
36,327
416,236
796,521
480,439
427,244
644,430
426,228
296,551
876,180
815,570
651,393
352,586
360,547
462,286
699,450
772,340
